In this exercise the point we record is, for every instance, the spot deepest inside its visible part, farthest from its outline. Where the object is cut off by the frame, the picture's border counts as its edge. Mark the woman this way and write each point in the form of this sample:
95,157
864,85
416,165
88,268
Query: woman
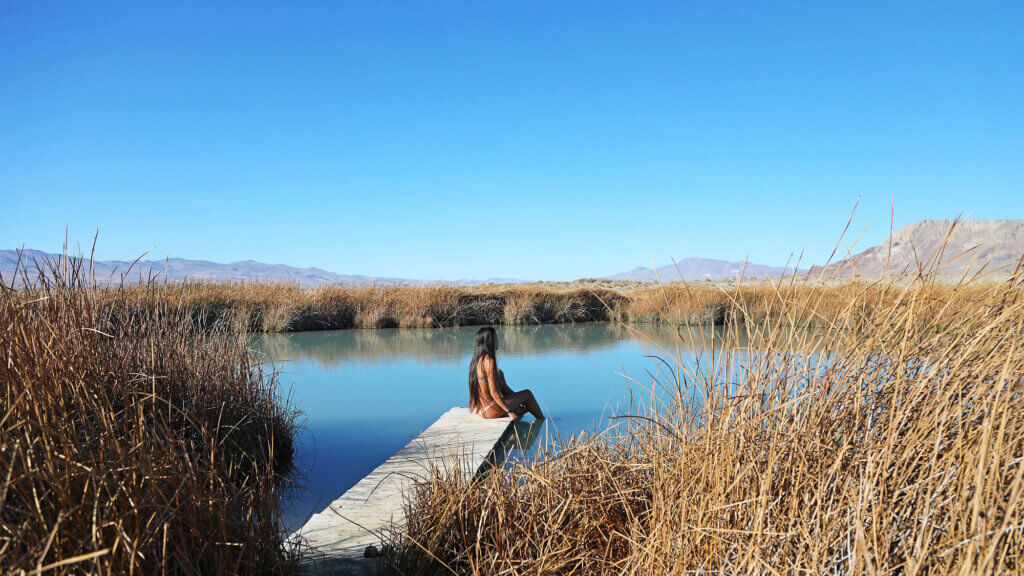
489,395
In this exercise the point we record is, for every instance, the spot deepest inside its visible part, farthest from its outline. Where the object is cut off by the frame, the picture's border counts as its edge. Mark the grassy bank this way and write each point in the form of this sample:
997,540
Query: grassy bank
888,440
266,307
142,442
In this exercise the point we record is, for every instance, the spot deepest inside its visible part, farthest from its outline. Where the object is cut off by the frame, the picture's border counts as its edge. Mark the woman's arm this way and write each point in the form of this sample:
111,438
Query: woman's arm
505,390
492,384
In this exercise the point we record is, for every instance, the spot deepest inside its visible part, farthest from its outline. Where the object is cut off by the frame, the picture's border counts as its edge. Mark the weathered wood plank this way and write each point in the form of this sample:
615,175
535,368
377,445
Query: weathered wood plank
338,536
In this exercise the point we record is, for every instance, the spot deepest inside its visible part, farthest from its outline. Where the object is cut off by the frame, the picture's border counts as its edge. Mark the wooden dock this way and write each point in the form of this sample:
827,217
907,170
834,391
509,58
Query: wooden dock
338,537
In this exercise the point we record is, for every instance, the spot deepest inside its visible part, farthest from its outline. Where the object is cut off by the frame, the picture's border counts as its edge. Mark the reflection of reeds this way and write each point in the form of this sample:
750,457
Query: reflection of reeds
132,438
446,345
889,440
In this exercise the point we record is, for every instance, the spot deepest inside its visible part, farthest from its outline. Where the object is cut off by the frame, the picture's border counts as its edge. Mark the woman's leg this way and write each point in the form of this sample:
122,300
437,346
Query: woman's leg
519,402
523,402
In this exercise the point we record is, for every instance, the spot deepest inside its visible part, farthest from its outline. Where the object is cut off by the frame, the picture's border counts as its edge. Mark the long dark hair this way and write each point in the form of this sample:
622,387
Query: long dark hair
486,344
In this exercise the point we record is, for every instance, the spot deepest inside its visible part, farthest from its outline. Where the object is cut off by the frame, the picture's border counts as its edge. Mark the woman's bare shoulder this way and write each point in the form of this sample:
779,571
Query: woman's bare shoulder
487,363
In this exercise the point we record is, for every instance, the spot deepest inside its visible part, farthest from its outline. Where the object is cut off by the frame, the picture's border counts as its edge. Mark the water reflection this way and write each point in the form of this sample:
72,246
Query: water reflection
522,440
337,347
334,348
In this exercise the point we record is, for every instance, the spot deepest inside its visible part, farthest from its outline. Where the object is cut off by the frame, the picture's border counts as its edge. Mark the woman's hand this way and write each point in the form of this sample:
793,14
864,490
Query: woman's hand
513,416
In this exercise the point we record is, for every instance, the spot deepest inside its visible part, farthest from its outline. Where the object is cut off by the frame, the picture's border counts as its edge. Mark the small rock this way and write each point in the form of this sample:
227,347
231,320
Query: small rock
371,552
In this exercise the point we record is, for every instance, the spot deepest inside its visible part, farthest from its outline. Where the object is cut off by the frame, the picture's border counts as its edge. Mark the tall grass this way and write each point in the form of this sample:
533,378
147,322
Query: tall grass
268,307
134,438
801,301
870,429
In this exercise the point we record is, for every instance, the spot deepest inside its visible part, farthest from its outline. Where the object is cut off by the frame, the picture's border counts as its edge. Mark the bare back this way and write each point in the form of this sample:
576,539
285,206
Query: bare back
486,376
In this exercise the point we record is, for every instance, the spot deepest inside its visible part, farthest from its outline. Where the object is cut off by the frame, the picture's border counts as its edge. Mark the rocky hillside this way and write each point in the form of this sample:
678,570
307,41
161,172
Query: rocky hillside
974,245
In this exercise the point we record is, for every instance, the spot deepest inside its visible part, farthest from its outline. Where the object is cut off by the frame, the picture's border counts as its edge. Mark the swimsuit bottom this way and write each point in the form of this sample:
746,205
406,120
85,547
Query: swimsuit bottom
488,407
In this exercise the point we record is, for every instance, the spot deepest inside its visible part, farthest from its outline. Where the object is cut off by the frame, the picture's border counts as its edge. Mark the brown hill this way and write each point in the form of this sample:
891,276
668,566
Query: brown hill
989,246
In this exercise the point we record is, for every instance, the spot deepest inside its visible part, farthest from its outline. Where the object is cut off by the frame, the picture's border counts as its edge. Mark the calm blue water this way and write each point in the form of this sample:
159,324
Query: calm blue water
366,393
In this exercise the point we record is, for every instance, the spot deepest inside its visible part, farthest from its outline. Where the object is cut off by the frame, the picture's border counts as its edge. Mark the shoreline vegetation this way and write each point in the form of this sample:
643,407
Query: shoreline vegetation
268,307
142,442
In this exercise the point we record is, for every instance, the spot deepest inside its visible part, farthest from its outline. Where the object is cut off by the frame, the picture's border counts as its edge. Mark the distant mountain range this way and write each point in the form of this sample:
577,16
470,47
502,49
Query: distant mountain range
702,269
995,245
177,269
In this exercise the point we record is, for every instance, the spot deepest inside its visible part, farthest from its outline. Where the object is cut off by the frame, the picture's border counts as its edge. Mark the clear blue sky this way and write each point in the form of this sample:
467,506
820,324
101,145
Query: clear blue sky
539,141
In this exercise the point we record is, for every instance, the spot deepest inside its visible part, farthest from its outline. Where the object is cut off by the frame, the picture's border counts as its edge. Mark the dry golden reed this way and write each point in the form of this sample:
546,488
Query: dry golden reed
269,307
864,429
134,439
